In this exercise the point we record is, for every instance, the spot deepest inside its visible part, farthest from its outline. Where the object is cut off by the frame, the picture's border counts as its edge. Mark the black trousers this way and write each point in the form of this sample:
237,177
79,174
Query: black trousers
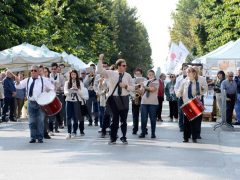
135,113
160,103
191,127
8,102
230,107
46,125
118,116
173,106
106,118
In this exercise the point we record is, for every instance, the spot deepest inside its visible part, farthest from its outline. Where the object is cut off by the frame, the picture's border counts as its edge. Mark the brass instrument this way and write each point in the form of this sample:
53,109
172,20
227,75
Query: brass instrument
92,75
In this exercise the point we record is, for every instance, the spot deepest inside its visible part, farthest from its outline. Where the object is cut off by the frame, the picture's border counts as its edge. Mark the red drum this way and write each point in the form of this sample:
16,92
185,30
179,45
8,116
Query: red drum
193,108
49,103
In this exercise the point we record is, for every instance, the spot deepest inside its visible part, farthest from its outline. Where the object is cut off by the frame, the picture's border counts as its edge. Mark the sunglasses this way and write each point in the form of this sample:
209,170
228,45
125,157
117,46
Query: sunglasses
171,76
124,65
33,70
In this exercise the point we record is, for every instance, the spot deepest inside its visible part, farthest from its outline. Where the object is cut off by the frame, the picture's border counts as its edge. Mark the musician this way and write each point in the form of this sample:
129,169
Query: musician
171,98
74,90
45,72
92,101
120,84
191,87
179,80
136,99
230,86
237,105
35,85
149,104
58,81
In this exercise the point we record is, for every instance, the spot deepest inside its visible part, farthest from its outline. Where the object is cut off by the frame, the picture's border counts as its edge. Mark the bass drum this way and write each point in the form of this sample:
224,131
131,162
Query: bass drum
193,108
49,103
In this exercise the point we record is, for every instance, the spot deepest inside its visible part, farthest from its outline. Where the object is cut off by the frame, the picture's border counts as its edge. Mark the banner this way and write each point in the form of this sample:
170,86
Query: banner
176,56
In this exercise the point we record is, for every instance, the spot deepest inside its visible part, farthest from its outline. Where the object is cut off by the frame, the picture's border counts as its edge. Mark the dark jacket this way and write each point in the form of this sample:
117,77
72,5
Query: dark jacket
169,96
9,87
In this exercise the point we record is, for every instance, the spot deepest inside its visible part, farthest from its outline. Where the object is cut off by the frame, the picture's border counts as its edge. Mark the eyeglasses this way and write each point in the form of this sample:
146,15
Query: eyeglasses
33,70
124,65
171,76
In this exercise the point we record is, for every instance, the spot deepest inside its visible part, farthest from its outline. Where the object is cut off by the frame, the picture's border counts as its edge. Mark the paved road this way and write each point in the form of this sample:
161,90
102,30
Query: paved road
216,156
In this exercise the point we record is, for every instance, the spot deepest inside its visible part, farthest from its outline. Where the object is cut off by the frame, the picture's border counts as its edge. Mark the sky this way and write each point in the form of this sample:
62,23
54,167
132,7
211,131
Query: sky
156,16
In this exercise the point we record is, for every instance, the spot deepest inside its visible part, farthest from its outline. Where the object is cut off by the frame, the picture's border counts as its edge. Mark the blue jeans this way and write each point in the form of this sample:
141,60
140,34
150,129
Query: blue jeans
237,108
101,114
92,101
180,114
151,111
71,116
36,120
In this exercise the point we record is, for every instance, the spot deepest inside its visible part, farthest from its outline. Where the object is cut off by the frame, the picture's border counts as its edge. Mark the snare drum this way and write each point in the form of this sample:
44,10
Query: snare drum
193,108
49,103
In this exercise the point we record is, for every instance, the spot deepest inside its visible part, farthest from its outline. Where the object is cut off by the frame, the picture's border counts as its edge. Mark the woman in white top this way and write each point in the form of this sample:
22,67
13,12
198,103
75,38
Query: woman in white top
149,104
73,91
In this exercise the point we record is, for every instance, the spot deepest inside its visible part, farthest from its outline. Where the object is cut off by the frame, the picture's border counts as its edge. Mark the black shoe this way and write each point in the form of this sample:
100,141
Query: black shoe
153,136
134,132
46,136
61,127
141,135
32,141
57,131
185,140
146,133
124,140
199,137
40,141
13,120
4,120
194,140
82,133
103,135
236,123
90,124
112,142
95,124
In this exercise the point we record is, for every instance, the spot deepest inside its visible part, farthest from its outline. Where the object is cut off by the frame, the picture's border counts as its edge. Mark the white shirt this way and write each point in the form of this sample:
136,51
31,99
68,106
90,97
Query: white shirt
177,85
113,77
37,89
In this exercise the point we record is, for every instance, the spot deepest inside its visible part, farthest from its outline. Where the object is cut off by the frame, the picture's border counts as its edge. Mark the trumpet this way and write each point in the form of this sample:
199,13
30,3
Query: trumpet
92,75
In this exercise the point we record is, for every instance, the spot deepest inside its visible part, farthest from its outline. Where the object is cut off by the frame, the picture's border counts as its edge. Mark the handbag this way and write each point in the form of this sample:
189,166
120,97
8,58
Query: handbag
121,102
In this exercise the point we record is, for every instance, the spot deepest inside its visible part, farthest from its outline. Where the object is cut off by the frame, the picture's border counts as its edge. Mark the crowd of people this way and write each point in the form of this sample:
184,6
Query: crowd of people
101,96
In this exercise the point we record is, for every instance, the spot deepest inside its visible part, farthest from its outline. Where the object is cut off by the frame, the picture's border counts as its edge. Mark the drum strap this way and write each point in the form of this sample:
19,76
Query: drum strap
28,82
190,96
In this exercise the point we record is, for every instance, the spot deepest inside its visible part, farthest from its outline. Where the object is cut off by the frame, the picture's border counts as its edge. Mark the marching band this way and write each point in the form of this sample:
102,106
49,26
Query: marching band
103,94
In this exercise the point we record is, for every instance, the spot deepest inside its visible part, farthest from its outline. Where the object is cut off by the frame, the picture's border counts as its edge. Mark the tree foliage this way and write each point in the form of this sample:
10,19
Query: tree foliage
84,28
208,23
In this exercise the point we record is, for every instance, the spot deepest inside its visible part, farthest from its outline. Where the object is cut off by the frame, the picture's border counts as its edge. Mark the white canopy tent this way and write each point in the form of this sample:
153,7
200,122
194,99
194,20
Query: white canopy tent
25,54
21,57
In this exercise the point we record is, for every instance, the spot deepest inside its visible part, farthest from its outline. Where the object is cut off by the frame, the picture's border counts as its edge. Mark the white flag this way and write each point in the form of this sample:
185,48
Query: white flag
184,52
173,57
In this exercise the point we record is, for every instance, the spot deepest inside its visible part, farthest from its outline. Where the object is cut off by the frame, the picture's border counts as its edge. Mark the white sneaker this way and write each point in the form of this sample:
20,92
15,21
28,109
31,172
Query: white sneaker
68,136
74,135
51,133
175,120
108,129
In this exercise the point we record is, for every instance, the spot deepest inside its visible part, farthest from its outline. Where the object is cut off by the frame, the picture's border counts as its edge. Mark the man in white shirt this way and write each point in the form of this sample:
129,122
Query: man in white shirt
35,85
120,85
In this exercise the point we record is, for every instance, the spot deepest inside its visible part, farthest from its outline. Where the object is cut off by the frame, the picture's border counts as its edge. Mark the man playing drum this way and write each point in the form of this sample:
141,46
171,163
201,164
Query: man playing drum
191,87
35,85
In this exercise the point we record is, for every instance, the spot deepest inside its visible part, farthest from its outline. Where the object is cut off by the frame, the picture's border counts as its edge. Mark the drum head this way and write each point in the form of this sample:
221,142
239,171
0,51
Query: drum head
46,98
